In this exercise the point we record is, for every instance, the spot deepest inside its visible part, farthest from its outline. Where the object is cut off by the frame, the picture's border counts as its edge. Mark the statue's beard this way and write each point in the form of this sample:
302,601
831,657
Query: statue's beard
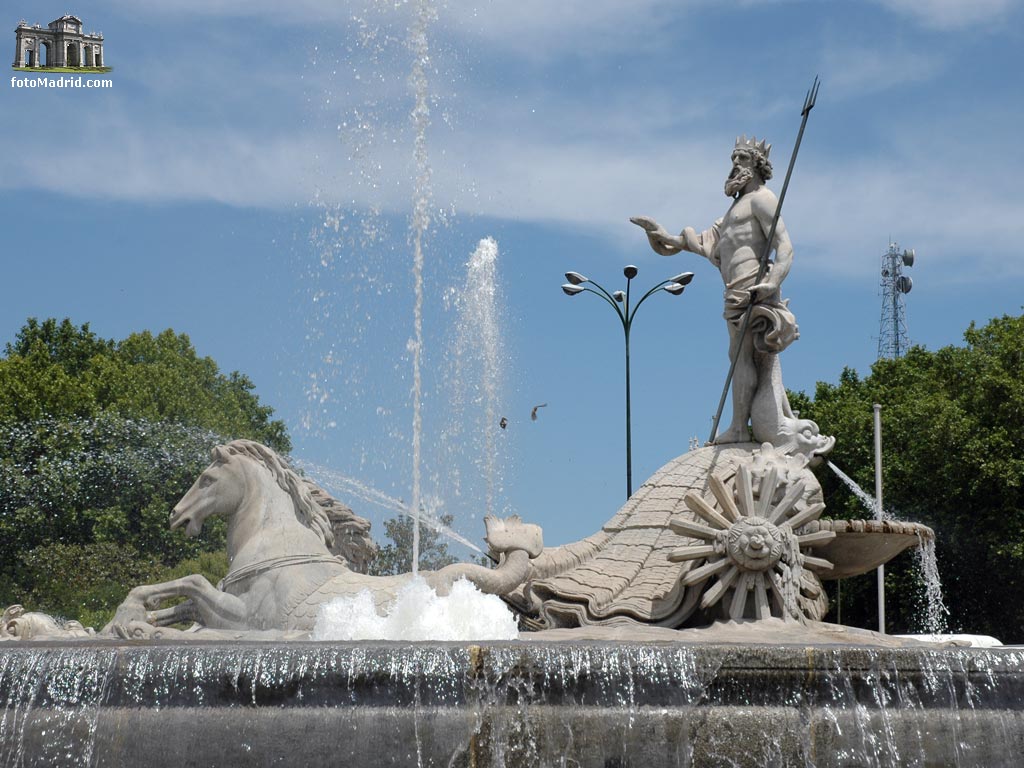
738,179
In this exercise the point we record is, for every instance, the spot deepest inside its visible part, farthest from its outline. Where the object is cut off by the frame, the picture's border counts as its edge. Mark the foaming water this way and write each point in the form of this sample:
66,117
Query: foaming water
419,613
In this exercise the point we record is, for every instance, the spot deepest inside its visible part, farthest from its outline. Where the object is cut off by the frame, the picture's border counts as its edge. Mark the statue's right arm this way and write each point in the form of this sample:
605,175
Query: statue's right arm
702,244
666,244
662,242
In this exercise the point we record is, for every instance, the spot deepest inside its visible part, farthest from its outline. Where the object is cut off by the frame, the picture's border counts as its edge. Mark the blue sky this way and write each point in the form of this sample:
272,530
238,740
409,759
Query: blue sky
249,178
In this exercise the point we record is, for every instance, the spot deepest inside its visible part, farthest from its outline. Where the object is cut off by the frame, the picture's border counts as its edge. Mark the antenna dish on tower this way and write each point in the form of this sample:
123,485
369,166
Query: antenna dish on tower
893,339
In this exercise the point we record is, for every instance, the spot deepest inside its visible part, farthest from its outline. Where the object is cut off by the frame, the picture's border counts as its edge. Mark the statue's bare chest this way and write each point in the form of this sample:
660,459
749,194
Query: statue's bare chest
739,226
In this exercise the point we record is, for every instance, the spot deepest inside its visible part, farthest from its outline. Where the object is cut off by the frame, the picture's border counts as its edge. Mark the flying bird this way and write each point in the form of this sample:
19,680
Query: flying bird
533,413
503,423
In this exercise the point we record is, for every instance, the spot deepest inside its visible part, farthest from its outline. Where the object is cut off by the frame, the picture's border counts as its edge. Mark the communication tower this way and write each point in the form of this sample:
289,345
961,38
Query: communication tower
892,332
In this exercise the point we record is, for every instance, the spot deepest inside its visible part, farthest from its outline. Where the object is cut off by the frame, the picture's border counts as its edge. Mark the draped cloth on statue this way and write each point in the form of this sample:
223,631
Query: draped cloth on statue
772,326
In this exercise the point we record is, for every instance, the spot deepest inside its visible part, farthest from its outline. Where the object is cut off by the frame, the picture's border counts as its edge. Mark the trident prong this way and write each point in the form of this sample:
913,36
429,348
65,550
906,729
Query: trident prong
812,97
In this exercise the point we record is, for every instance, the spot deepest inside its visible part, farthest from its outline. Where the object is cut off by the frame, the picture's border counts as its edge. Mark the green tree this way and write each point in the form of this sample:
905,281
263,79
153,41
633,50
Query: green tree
58,370
953,458
396,556
98,440
65,344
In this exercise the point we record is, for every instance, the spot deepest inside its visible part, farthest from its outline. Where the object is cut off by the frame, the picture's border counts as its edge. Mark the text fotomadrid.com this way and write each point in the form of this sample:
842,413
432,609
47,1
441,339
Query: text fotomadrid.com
61,82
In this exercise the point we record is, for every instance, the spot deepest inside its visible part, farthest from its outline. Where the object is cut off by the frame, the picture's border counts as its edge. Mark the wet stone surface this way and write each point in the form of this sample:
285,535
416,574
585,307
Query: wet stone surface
508,704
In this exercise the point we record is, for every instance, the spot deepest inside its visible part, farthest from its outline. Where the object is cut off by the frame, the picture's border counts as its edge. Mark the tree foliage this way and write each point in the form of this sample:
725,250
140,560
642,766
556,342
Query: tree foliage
98,440
58,370
953,458
396,556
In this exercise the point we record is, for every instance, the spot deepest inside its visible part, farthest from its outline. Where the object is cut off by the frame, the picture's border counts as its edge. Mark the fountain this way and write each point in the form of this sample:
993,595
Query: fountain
681,633
688,630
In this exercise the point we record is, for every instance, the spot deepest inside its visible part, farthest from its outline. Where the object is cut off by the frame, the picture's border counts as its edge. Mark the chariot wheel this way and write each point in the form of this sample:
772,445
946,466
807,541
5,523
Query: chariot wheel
750,547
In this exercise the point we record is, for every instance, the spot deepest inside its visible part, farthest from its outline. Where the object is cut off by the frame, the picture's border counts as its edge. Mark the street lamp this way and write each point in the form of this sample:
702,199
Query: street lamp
579,284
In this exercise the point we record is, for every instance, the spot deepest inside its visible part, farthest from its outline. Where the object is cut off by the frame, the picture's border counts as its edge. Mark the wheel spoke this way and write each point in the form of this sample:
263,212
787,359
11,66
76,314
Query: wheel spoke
693,530
739,596
793,495
744,484
714,594
700,507
811,513
691,553
768,485
761,605
710,569
816,539
725,498
815,563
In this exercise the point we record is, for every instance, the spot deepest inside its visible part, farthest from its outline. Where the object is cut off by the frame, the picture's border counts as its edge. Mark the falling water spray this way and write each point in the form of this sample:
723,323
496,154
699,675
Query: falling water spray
482,279
936,613
478,355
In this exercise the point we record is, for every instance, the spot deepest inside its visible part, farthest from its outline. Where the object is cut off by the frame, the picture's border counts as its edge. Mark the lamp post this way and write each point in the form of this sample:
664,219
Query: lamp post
626,312
879,513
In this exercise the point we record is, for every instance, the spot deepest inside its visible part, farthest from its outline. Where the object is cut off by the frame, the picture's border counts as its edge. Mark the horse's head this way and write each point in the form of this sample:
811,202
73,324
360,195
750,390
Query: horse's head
238,470
218,491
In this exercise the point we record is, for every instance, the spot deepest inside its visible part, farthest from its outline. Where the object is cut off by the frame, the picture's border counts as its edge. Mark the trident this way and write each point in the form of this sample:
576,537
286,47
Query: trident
811,97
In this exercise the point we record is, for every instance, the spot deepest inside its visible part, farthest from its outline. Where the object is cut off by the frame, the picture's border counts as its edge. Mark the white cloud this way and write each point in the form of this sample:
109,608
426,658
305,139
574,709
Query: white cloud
858,70
554,155
129,162
953,14
296,13
535,29
541,29
839,209
847,213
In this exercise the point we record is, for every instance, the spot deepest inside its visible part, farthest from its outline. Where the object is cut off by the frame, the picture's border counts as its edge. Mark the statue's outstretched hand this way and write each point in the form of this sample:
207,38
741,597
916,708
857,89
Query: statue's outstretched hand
647,224
661,241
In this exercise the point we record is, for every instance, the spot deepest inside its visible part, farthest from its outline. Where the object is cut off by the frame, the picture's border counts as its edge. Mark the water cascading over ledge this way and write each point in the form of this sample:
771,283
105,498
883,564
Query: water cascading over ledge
540,703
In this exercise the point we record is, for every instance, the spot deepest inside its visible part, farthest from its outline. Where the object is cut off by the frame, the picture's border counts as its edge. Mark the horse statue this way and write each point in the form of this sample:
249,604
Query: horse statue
282,569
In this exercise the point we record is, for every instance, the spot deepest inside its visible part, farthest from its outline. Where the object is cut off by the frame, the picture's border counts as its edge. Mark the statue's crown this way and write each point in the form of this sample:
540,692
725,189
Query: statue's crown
753,145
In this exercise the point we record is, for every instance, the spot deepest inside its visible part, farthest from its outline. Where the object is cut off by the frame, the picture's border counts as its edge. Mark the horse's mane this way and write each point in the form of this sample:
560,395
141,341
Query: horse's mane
307,510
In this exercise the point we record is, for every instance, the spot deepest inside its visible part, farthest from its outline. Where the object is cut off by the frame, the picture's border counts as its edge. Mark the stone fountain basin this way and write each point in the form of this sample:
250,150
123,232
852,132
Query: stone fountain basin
860,546
571,701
